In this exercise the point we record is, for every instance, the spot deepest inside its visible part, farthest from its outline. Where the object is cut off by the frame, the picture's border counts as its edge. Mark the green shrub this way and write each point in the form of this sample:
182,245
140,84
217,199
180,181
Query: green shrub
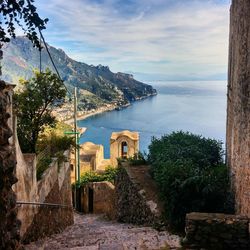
53,145
91,176
191,175
138,159
110,173
56,143
42,166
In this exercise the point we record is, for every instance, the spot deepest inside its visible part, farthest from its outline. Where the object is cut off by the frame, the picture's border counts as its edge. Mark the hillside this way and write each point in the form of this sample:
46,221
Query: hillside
97,84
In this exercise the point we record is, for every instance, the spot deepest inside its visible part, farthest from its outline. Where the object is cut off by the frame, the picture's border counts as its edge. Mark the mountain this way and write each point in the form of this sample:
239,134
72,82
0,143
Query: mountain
97,84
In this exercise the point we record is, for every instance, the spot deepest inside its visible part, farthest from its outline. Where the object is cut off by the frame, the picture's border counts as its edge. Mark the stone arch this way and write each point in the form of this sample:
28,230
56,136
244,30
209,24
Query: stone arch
123,144
124,149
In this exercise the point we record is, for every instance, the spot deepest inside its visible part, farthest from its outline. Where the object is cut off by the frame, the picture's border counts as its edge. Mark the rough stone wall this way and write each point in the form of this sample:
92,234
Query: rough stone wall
103,198
131,204
238,109
216,231
9,225
50,220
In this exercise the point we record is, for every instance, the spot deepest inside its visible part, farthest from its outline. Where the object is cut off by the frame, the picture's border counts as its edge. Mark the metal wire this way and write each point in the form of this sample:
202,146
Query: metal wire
53,63
42,204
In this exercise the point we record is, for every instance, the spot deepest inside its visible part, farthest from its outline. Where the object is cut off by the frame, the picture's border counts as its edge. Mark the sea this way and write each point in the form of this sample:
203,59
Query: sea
195,106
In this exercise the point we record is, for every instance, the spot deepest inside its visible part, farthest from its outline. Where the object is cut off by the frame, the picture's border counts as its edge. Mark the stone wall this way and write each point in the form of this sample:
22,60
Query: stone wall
26,187
50,220
216,231
54,187
9,225
132,206
238,109
103,198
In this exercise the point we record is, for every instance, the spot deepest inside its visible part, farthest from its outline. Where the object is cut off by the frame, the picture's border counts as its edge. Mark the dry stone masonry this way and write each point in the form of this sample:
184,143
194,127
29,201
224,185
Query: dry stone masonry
134,204
9,225
216,231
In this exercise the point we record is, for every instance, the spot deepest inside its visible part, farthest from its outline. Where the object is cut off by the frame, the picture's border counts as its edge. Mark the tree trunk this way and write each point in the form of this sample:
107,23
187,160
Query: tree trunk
9,225
238,105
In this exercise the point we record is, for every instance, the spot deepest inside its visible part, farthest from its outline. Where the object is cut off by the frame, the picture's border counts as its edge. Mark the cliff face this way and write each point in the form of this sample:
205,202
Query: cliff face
20,58
238,109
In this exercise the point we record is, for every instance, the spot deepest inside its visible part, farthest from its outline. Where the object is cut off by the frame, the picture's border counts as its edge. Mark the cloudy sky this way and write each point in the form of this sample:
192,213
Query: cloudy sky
163,39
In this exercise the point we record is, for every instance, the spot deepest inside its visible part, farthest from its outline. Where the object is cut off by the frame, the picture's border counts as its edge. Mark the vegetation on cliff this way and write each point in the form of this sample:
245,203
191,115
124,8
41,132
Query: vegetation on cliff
102,85
191,175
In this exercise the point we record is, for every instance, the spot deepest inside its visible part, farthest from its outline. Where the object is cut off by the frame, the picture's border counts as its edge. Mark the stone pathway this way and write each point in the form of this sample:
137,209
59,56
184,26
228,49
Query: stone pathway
92,232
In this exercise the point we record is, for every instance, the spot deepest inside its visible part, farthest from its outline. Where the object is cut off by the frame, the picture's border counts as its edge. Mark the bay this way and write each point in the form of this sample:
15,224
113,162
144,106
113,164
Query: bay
195,106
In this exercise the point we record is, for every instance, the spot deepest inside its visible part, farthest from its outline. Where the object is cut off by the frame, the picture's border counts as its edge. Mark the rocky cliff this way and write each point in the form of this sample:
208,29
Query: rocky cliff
100,84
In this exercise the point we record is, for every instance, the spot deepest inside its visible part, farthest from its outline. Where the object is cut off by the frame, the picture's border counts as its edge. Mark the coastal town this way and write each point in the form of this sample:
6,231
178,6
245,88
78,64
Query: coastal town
162,162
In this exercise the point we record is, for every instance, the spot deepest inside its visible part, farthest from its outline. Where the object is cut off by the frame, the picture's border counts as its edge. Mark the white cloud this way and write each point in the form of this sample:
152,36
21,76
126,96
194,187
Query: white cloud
188,36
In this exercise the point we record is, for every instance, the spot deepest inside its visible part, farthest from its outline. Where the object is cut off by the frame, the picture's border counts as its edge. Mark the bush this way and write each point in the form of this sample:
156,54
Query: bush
191,175
42,166
108,175
52,145
138,159
57,143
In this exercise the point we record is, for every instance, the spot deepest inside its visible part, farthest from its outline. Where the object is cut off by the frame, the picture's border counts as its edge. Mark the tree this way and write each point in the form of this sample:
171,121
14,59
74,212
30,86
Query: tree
22,13
191,175
33,107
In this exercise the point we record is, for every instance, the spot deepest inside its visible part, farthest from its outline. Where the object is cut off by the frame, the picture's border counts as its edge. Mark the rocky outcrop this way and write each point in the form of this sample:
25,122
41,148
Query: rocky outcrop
102,85
9,225
238,108
216,231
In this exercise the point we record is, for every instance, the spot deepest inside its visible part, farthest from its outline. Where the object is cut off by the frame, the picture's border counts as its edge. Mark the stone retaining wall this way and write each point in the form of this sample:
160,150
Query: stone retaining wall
9,225
216,231
103,200
50,220
131,204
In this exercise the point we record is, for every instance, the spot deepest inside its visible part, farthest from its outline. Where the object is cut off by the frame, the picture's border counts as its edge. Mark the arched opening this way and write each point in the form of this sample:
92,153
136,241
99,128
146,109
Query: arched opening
124,149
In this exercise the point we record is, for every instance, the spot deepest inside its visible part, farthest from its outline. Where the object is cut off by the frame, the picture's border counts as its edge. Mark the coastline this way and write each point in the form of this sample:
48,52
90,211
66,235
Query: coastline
104,109
92,113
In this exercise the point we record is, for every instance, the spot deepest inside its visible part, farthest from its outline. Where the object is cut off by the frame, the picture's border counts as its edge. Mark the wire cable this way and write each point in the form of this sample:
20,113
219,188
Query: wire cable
53,63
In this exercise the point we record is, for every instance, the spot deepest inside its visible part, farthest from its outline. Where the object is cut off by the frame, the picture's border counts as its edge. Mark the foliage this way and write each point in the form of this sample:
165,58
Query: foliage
33,106
55,142
52,145
101,85
138,159
60,157
42,166
108,175
23,14
190,173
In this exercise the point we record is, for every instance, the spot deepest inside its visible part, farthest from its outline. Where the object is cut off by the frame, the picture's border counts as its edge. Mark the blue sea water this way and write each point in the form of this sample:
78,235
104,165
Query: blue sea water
198,107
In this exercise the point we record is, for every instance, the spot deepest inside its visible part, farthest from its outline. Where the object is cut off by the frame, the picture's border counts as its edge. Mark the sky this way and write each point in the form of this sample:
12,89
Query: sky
154,39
